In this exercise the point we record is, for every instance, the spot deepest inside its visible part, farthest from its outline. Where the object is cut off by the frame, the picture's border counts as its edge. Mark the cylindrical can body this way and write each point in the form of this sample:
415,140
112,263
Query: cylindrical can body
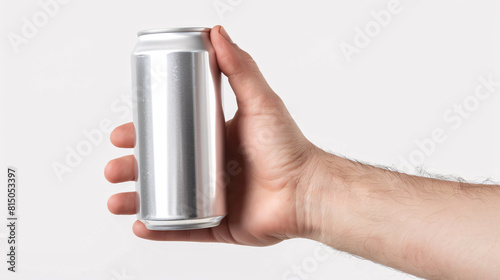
179,127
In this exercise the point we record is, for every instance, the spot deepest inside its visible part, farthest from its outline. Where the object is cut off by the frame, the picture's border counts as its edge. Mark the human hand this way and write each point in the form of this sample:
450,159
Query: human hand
282,186
267,157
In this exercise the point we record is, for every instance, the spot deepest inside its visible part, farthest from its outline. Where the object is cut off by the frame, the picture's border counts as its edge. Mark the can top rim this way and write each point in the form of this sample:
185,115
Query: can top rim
173,30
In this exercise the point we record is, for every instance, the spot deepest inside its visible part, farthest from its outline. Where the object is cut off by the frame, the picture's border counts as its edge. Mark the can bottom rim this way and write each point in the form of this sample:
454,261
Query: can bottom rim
183,224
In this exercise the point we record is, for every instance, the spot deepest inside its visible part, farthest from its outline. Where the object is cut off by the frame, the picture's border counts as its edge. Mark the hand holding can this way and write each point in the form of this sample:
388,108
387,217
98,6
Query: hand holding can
266,160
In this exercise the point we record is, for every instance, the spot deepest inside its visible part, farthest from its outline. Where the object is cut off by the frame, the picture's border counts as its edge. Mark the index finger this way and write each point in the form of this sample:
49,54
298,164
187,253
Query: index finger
124,136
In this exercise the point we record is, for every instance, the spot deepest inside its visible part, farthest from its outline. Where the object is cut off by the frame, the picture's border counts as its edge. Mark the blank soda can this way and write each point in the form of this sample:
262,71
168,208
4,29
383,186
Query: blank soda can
179,127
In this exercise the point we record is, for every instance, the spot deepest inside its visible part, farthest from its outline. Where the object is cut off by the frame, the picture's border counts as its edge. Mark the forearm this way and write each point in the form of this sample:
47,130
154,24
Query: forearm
426,227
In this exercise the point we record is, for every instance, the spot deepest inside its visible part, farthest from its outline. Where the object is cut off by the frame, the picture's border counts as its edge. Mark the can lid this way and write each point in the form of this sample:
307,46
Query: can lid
173,30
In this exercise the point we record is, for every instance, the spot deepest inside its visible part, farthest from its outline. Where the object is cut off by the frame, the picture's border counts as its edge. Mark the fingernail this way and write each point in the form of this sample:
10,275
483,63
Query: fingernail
224,34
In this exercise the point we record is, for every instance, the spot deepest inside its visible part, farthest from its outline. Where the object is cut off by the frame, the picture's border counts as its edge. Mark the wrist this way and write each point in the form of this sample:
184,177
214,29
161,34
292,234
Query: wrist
322,198
341,202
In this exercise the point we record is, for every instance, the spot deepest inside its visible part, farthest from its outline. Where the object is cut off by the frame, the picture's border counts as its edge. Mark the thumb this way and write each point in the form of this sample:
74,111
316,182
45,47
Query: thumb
249,86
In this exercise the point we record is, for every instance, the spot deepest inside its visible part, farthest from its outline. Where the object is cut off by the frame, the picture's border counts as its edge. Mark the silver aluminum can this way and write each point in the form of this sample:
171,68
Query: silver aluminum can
179,126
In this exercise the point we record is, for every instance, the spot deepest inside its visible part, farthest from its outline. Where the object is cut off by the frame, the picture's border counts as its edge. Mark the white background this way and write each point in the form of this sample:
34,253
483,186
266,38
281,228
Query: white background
74,72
